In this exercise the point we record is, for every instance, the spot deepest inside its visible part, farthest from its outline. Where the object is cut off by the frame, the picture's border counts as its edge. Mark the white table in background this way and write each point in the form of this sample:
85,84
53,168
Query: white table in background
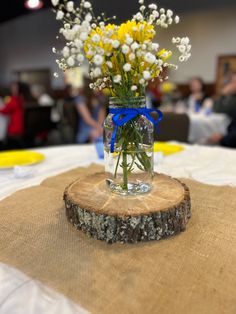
203,126
22,295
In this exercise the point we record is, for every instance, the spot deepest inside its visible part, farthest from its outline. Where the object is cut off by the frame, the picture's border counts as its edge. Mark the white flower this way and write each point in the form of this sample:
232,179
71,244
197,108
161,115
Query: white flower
129,40
155,13
142,81
138,16
60,15
66,52
151,18
127,67
55,74
109,64
106,40
100,51
146,75
152,6
76,28
83,36
131,56
134,46
71,61
70,6
87,4
125,49
182,48
184,41
163,17
97,72
117,78
80,57
175,40
88,17
150,58
181,58
115,43
139,53
134,88
85,26
159,62
55,2
96,38
78,43
169,13
54,50
141,1
177,19
98,60
155,46
188,48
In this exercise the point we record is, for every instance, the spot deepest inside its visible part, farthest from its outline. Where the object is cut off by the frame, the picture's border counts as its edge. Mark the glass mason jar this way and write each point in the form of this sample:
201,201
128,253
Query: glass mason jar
128,148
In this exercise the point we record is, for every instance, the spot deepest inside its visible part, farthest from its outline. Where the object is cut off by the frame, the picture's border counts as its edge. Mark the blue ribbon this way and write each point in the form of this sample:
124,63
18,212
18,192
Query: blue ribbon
123,115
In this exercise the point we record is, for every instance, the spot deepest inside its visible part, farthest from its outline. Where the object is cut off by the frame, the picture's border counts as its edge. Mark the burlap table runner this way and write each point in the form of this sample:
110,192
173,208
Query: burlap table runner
194,272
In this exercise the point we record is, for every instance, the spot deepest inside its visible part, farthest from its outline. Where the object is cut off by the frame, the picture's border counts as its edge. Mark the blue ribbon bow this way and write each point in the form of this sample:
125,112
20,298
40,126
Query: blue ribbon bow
123,115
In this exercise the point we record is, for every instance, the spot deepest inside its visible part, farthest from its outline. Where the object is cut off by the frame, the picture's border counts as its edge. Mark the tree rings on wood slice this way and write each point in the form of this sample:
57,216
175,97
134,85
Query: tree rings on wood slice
163,212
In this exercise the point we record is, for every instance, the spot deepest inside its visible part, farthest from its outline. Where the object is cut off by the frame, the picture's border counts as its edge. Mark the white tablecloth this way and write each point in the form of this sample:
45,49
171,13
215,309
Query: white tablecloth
203,126
22,295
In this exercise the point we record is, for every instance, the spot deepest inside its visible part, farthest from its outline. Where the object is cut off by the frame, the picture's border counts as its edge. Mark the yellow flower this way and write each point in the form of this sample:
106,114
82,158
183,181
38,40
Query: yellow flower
139,31
164,54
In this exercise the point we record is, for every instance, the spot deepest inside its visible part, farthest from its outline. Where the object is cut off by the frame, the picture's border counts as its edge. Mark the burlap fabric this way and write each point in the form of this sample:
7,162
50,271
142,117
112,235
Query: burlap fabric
194,272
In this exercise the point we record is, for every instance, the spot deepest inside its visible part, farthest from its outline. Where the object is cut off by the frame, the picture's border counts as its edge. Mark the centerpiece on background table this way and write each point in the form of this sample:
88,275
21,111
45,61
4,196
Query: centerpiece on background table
122,59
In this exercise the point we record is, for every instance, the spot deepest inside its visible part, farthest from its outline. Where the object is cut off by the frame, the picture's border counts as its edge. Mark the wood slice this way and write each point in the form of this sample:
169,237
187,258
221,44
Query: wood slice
163,212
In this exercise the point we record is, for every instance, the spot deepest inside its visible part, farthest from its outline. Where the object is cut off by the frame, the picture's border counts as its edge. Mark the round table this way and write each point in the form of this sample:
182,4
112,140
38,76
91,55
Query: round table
20,293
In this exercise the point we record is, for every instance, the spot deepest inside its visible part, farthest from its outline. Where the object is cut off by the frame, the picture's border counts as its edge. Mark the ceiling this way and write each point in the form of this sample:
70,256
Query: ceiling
11,9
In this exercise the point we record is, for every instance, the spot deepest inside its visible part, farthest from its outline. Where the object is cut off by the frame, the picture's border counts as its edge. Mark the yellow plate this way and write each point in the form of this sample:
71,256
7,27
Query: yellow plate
10,159
166,148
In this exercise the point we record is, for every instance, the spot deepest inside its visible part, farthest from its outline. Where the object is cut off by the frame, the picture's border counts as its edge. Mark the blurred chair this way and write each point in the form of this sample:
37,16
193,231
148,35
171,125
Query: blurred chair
69,122
173,127
37,123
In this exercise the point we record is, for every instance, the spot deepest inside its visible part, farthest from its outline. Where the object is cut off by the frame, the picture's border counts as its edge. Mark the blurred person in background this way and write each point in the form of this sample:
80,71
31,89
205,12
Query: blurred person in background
153,94
13,108
40,95
197,100
70,94
91,113
227,104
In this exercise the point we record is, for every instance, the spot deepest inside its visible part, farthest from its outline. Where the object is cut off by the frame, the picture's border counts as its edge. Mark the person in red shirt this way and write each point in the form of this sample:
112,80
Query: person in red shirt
14,109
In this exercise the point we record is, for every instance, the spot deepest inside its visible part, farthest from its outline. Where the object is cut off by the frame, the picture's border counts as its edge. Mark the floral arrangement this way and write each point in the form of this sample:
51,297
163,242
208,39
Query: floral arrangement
122,58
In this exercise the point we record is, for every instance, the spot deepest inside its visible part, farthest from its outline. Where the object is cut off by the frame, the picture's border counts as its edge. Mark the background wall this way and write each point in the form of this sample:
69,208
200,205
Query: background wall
28,41
212,33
